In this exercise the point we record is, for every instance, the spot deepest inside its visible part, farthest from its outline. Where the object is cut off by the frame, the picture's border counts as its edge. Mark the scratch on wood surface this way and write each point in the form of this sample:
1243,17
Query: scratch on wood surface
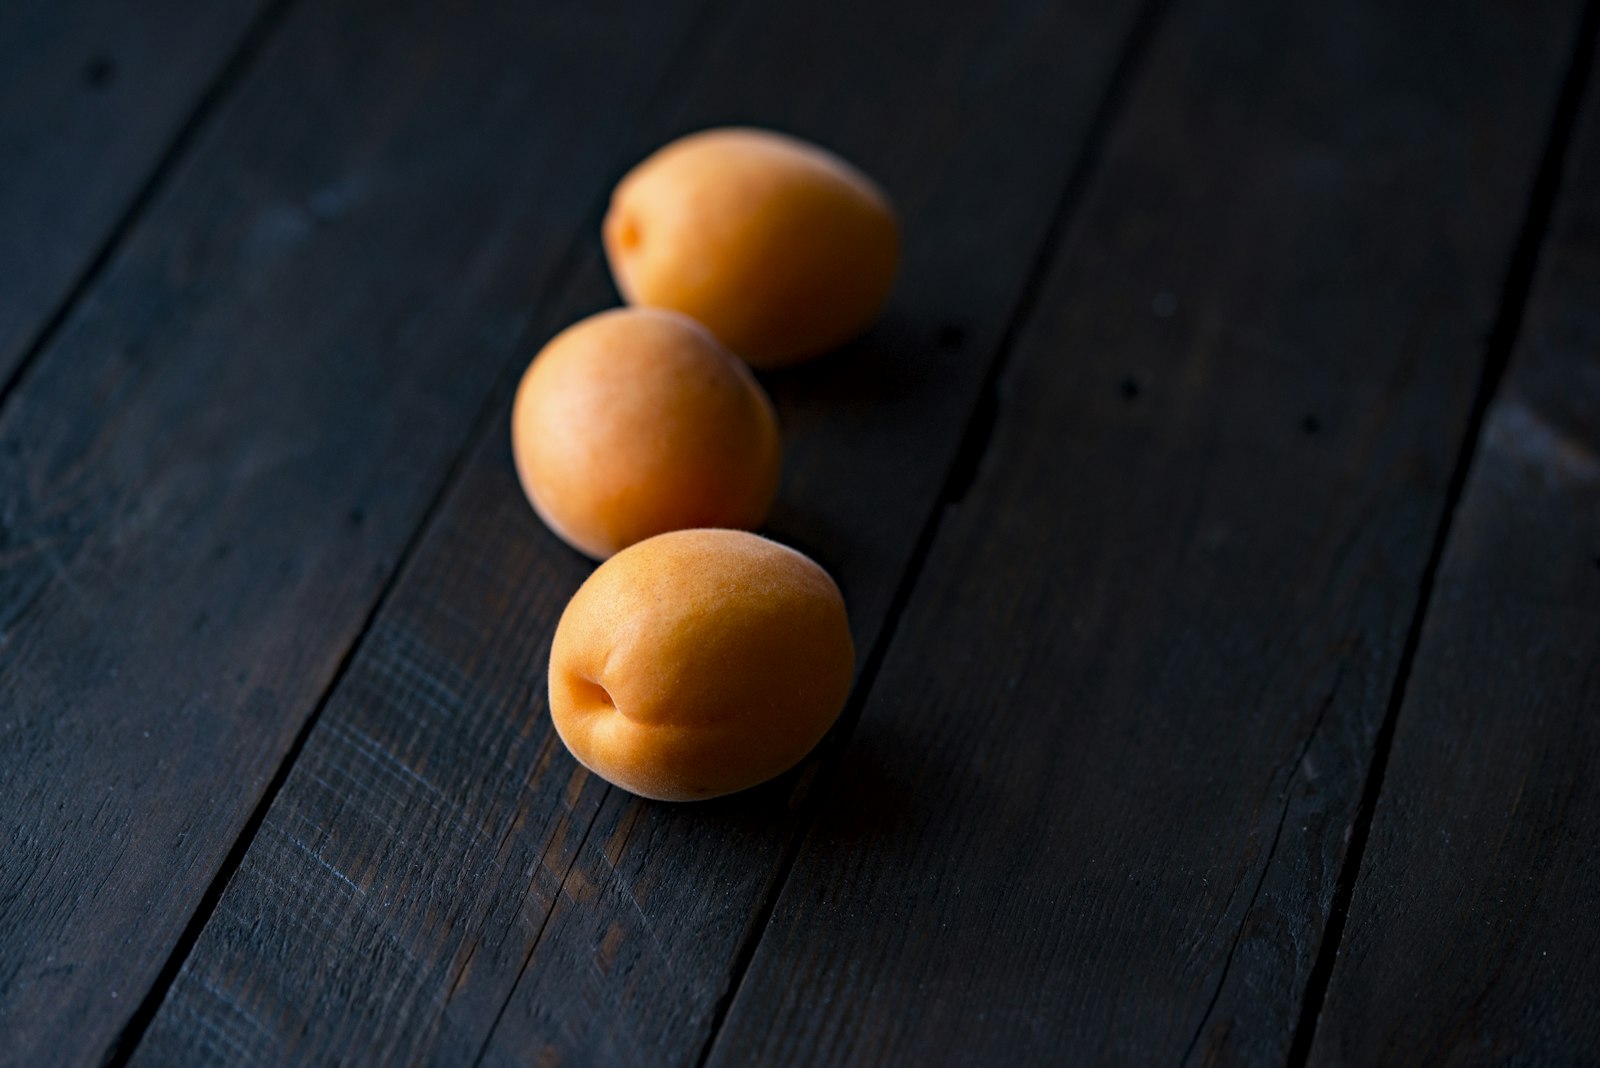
230,1002
314,855
649,930
464,974
385,758
618,842
428,679
230,1048
357,788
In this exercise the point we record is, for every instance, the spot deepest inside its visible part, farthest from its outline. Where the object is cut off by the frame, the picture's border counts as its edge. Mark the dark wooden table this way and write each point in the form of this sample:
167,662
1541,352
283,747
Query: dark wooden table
1218,507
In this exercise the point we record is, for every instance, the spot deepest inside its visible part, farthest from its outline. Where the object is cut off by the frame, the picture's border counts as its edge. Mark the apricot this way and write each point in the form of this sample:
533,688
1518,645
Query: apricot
699,663
780,247
637,421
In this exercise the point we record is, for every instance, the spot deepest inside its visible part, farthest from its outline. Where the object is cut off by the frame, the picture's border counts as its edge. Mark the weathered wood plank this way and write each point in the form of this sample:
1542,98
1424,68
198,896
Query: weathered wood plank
435,859
206,481
1096,803
92,94
1471,937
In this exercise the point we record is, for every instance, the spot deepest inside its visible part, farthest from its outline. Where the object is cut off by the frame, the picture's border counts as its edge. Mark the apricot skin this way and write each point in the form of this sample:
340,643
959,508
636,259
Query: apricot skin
781,248
699,663
634,422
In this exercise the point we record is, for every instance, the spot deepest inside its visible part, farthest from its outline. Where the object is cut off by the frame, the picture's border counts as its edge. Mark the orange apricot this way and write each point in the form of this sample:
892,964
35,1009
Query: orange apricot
699,663
637,421
780,247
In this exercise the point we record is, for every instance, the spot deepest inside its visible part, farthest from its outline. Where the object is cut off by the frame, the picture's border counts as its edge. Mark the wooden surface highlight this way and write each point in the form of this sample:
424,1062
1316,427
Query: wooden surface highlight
1471,937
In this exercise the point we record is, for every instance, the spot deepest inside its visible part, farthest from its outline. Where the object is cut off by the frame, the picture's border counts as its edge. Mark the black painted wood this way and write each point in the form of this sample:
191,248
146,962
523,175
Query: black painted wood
208,478
1097,801
1471,936
438,879
92,94
1103,784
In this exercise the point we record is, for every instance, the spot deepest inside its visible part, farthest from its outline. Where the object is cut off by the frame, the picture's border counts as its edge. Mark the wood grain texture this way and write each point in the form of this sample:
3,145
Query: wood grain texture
438,879
92,93
207,480
1096,804
1471,936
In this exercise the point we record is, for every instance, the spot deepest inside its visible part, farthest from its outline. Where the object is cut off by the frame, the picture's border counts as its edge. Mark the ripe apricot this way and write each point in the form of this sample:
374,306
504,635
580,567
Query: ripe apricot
636,421
780,247
699,663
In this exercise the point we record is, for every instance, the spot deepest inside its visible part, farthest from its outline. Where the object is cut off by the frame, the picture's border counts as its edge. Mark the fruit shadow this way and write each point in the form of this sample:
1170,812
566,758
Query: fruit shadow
842,416
836,412
868,793
862,377
863,788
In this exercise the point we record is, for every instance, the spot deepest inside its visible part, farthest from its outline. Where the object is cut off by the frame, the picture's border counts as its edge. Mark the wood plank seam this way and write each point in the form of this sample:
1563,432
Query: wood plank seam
562,276
1272,851
960,475
1499,345
127,1042
975,441
233,69
538,937
909,534
827,943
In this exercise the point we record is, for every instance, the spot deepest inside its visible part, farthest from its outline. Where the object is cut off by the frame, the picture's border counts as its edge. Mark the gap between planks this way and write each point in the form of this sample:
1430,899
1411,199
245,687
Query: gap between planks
251,43
1499,345
127,1043
963,471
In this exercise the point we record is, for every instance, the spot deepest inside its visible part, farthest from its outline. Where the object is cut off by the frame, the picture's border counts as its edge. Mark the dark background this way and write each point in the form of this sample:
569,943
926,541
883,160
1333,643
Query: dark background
1217,503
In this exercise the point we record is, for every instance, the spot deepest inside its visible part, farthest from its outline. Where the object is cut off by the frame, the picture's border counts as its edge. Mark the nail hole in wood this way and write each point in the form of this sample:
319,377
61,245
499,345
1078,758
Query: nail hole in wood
99,72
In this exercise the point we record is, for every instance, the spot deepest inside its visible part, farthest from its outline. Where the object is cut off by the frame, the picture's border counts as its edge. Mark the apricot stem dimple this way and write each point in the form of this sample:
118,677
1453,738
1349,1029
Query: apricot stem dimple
597,693
777,246
628,235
